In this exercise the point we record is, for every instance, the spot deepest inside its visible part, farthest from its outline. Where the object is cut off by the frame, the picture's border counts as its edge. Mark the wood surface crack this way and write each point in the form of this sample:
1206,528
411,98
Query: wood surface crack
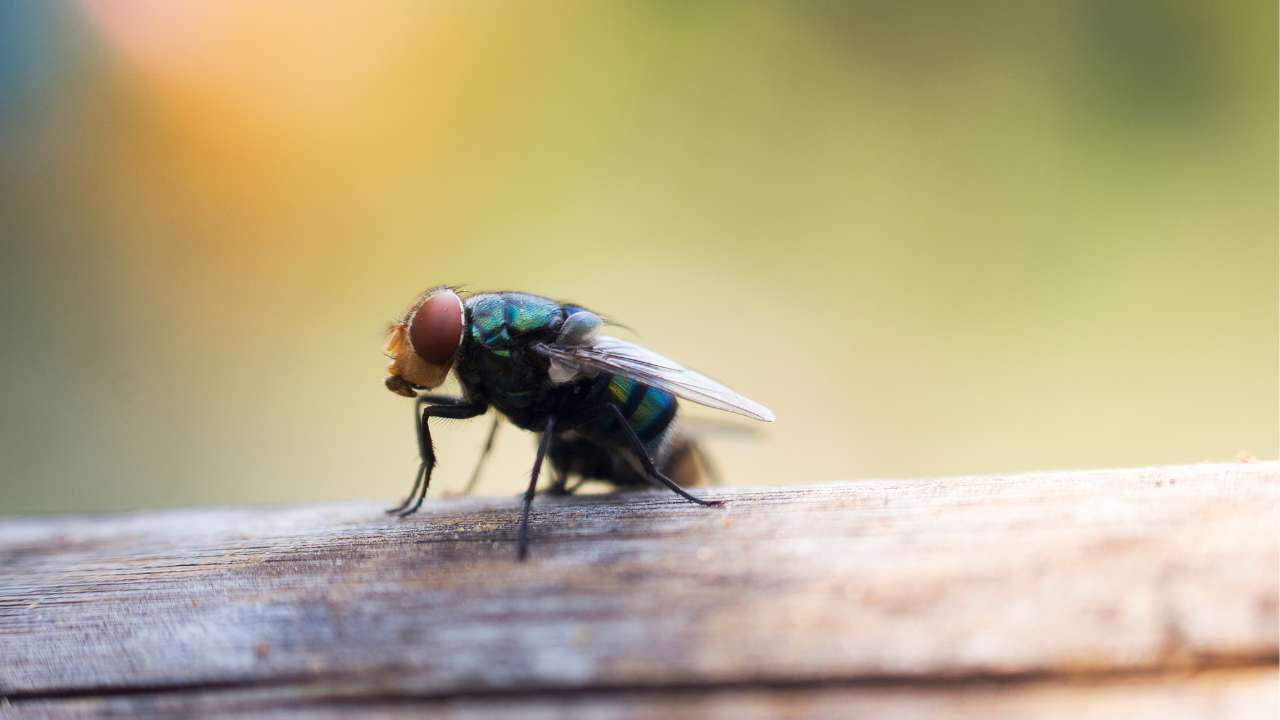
342,688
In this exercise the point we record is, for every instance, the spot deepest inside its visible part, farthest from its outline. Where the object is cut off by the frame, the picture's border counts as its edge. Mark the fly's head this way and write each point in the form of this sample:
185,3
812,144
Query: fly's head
423,344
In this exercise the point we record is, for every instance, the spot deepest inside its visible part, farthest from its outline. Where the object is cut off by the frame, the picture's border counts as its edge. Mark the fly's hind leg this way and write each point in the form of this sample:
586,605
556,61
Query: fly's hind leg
652,470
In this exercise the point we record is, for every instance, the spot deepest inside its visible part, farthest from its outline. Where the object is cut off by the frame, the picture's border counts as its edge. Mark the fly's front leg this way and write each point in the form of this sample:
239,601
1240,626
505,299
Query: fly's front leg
442,406
418,402
638,446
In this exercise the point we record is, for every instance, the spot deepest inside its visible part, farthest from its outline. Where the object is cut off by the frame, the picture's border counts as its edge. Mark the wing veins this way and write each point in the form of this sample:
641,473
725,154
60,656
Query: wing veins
619,357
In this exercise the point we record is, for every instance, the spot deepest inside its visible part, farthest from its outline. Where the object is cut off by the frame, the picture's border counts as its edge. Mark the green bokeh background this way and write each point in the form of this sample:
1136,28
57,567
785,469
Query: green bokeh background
936,237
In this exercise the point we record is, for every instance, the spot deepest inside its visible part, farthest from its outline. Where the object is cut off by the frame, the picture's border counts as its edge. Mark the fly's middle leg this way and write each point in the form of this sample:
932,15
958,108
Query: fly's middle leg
522,549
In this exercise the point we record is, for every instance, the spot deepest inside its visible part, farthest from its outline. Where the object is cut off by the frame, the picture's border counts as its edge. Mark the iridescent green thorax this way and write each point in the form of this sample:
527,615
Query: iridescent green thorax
499,318
496,364
498,367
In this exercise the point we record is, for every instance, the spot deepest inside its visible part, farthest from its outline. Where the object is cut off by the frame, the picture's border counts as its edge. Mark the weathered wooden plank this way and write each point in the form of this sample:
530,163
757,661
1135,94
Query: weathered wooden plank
1242,693
969,580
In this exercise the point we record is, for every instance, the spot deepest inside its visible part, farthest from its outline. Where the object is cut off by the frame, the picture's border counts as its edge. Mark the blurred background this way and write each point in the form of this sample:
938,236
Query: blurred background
935,237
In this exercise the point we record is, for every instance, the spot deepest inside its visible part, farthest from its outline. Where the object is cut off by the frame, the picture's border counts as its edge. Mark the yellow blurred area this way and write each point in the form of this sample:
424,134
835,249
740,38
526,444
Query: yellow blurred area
936,238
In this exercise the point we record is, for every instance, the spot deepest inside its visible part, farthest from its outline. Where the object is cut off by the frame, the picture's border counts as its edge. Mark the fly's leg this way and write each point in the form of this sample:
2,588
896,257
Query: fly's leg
559,482
427,448
484,454
638,446
418,402
522,548
559,477
445,407
562,487
413,491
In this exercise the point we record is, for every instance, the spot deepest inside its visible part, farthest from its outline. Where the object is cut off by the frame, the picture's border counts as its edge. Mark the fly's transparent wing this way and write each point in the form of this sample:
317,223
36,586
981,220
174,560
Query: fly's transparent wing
611,355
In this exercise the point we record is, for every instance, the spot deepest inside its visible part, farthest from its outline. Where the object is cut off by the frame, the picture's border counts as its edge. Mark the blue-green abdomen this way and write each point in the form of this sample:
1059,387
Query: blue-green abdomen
648,410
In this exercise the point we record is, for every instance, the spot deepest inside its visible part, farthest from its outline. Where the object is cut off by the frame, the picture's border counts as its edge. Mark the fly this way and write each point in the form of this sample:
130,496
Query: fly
605,408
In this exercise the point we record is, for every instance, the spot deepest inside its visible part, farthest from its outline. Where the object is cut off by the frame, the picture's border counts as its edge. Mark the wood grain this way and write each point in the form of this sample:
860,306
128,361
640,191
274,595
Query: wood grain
1113,591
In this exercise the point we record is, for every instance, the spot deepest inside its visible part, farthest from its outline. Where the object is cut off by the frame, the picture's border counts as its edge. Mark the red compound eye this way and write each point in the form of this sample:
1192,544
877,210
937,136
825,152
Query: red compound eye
436,329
